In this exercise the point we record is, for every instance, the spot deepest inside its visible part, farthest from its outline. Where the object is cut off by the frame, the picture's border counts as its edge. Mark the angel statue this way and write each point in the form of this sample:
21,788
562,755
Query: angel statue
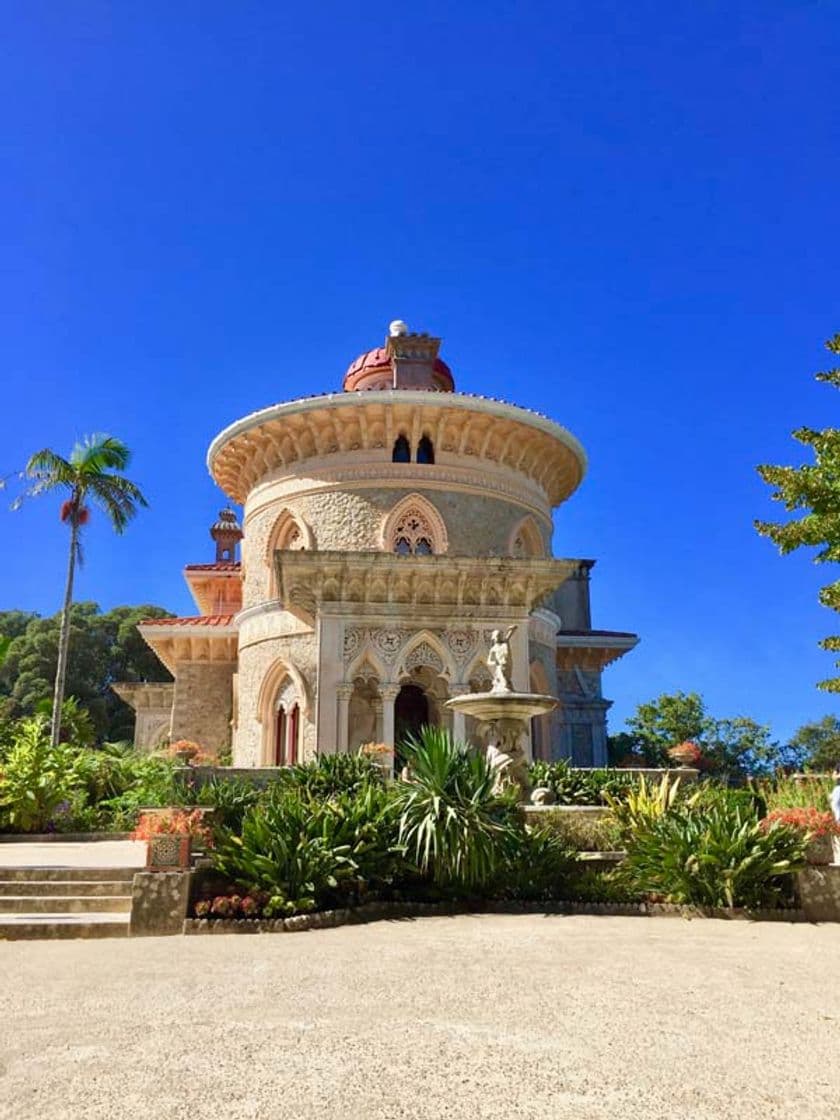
499,660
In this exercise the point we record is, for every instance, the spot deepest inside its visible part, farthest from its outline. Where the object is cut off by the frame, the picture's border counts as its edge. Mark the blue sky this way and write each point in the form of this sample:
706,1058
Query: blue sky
622,215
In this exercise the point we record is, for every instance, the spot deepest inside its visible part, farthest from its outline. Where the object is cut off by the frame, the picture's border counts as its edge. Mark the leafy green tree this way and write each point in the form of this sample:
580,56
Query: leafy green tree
670,719
814,488
732,747
91,474
106,648
819,743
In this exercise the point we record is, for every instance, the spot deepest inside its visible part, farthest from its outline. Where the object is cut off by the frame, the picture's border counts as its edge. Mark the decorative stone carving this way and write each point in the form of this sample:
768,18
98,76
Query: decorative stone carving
424,654
389,642
461,643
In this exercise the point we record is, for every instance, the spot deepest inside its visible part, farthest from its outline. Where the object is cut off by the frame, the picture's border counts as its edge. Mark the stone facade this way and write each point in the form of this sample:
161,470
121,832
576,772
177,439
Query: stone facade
387,531
203,703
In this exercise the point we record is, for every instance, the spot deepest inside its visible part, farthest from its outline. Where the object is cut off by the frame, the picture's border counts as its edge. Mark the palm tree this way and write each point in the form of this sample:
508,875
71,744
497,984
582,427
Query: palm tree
89,475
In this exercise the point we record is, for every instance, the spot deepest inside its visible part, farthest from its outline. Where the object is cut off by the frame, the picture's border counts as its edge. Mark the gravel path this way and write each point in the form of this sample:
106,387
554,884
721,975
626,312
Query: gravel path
476,1016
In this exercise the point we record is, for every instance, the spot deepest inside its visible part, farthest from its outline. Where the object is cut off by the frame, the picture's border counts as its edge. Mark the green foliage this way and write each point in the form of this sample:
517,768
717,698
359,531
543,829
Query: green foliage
332,774
578,787
584,884
815,489
106,648
455,828
718,857
819,744
536,862
582,833
304,852
642,806
787,793
670,719
732,748
36,780
232,798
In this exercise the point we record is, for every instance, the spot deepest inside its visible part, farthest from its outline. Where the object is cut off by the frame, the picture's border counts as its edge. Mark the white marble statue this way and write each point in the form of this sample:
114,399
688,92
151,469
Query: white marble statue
499,660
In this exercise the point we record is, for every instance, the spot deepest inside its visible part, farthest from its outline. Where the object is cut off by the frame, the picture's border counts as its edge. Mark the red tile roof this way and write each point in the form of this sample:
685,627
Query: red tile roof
219,566
197,620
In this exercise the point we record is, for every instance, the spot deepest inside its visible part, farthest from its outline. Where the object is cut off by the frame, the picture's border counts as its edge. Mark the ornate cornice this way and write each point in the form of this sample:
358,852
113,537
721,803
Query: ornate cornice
465,586
280,438
592,650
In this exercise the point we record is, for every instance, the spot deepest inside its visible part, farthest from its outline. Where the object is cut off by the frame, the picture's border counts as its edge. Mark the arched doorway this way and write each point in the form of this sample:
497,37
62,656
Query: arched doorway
411,712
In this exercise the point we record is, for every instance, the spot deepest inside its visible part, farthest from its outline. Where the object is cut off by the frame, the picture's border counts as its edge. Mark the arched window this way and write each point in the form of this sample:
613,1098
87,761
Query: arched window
402,450
414,528
413,534
526,540
425,451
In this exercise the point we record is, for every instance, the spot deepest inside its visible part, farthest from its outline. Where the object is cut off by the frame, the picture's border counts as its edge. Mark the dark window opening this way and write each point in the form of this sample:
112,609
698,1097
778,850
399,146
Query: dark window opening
425,451
402,450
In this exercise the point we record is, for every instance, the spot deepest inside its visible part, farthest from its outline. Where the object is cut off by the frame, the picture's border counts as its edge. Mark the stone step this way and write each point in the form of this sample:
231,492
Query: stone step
42,887
30,927
68,874
65,904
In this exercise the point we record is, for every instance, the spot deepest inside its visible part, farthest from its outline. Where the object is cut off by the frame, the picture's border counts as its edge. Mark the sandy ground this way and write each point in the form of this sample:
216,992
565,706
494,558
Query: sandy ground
474,1016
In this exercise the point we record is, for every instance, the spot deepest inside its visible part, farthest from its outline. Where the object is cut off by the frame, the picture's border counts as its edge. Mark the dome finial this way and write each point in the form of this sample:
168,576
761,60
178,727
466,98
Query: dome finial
397,328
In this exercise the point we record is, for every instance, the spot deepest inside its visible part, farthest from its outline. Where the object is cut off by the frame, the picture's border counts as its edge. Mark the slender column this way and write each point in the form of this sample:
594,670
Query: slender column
459,725
389,693
343,692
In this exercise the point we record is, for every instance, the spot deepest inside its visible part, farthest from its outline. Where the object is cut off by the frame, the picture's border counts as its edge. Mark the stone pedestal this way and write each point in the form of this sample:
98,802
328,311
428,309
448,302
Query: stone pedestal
159,903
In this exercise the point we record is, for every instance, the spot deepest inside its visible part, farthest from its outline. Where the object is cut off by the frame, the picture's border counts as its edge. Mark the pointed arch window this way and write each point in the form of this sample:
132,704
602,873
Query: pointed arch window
414,528
402,450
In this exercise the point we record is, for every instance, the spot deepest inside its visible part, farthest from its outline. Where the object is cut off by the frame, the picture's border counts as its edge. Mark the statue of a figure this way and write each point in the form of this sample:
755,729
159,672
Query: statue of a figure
499,660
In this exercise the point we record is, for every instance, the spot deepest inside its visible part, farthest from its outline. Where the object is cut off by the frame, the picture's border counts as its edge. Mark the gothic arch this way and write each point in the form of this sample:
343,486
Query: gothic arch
526,541
425,648
282,683
366,658
415,520
288,532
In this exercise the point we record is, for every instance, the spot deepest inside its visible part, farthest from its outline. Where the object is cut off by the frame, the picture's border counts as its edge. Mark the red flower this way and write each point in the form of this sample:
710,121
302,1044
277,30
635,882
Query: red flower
812,821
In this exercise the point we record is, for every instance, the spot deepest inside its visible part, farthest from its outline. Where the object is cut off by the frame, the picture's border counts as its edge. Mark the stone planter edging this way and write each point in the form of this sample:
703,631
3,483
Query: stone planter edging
376,911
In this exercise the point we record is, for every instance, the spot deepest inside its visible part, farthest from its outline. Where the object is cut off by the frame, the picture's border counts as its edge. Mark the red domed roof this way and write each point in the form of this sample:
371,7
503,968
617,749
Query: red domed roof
375,370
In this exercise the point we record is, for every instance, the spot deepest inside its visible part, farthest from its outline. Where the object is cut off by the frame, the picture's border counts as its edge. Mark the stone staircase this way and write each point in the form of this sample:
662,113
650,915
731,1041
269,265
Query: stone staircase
53,902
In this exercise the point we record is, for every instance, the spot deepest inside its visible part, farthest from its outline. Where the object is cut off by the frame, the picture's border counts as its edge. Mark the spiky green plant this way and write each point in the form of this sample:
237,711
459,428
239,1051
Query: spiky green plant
454,826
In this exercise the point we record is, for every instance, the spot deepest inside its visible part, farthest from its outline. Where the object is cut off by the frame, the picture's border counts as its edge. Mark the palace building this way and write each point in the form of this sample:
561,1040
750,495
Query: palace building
387,529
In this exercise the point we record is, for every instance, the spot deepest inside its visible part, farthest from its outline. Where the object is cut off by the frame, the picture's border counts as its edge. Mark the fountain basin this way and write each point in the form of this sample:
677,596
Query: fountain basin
488,707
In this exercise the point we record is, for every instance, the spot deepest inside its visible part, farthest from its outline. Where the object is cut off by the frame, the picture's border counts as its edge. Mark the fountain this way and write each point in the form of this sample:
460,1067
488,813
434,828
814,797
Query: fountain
503,715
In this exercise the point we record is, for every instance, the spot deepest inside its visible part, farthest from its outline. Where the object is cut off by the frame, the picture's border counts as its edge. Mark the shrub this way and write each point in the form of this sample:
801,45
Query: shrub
790,793
304,852
584,884
642,806
231,798
720,857
37,781
179,822
535,866
333,774
579,787
455,828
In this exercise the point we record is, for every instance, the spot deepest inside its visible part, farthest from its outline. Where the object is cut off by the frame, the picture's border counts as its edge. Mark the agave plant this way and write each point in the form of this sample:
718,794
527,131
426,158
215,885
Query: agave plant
453,825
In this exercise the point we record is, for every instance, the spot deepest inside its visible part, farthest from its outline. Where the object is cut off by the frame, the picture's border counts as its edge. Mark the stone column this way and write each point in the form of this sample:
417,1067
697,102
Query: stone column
344,692
389,693
459,724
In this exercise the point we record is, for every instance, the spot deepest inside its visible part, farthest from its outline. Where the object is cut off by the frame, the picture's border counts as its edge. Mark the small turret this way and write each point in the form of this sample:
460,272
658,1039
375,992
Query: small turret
227,533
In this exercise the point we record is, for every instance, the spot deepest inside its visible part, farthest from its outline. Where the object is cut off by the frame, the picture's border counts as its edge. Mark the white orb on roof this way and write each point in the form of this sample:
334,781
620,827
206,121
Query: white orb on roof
397,328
